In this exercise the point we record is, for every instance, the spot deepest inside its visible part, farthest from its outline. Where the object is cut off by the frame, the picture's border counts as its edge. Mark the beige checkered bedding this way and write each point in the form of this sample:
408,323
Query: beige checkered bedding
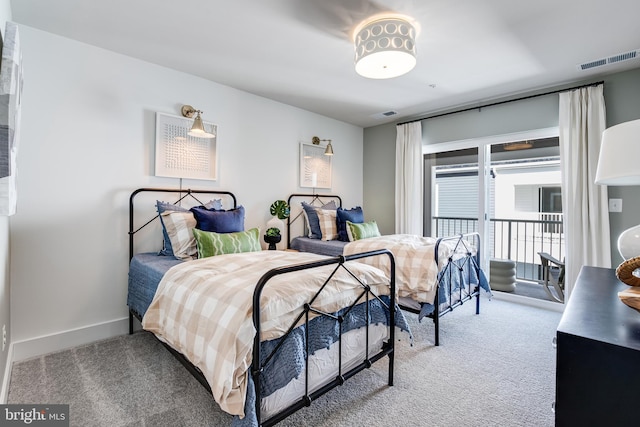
203,309
416,269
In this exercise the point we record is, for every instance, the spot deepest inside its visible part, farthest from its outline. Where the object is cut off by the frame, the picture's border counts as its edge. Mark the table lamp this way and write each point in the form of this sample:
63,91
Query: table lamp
618,165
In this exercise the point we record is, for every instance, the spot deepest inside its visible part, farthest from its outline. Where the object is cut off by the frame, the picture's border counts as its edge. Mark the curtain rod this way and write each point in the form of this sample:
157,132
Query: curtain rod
501,102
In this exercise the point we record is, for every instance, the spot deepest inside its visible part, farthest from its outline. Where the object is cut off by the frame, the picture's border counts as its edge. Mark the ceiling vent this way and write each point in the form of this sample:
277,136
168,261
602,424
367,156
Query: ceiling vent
384,114
634,54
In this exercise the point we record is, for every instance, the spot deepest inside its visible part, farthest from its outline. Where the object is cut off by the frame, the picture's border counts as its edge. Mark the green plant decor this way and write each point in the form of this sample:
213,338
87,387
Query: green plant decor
273,231
280,208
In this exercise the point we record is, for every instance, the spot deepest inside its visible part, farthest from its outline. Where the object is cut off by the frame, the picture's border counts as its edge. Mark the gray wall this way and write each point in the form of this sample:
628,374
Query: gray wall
379,159
622,98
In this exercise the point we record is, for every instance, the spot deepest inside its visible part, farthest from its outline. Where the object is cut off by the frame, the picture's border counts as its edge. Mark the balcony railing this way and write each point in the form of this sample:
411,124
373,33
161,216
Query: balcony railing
515,239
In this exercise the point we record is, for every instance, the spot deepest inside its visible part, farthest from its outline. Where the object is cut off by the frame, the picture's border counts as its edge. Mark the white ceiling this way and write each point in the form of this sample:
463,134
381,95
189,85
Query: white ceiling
300,52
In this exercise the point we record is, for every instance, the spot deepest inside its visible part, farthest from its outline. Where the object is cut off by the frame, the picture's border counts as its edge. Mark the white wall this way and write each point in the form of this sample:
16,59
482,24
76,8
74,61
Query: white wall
88,135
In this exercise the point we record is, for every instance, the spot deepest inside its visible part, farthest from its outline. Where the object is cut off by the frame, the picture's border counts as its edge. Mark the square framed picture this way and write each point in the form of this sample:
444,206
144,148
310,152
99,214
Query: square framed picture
11,81
315,166
179,155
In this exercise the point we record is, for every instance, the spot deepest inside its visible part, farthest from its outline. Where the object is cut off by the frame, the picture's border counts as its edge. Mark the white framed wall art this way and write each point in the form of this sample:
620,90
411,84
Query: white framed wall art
315,166
179,155
11,81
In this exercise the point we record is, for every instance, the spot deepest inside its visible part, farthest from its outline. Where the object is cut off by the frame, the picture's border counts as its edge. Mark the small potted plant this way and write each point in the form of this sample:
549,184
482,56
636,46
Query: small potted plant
272,236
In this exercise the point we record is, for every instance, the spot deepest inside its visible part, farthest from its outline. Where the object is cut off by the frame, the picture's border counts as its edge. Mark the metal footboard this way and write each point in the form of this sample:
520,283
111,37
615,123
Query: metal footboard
467,269
387,350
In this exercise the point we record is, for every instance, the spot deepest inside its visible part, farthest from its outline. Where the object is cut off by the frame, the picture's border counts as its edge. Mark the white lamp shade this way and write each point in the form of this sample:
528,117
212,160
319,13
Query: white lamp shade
618,163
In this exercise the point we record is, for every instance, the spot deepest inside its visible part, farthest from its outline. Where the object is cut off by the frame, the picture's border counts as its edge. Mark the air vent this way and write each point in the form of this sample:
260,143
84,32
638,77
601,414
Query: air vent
622,57
384,114
593,64
610,60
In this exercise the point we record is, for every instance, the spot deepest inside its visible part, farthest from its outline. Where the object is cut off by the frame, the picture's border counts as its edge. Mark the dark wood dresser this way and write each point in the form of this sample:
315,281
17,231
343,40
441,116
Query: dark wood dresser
598,355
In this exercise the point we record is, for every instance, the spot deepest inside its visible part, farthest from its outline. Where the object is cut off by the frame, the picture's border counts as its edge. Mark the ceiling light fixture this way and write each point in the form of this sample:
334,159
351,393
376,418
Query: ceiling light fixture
197,129
385,46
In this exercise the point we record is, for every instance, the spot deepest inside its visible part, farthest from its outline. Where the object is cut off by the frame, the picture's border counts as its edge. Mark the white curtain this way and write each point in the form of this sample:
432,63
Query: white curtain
409,179
584,204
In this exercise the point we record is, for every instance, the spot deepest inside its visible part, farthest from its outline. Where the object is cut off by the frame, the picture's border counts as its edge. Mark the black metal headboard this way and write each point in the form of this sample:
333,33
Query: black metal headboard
182,195
312,199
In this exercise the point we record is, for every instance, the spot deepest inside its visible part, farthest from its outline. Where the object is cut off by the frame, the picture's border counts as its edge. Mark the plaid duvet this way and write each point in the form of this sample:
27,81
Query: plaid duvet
203,309
416,269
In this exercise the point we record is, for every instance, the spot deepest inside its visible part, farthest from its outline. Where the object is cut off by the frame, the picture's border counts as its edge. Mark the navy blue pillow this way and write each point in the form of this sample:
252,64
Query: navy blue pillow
354,215
229,221
313,222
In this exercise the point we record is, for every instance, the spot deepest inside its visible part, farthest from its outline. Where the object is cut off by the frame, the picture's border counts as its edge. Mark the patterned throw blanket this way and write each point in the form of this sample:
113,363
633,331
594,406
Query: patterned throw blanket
416,269
203,309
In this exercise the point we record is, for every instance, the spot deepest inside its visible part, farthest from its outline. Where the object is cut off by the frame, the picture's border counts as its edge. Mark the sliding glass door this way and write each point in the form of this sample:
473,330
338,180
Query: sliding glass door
505,188
455,199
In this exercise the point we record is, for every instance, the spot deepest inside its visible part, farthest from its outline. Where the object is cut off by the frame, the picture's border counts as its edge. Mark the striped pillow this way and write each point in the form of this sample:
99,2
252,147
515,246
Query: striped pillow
178,226
210,243
328,224
215,204
311,218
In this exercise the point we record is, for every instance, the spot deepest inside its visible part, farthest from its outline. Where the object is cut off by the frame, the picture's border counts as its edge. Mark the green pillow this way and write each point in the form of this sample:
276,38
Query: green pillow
210,243
362,231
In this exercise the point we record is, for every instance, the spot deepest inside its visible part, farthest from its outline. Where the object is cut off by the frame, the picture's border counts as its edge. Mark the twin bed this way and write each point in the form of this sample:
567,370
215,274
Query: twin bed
433,275
267,332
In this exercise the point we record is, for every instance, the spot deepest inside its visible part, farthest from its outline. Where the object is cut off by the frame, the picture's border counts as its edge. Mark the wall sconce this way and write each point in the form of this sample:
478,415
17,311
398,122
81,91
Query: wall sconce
327,151
197,129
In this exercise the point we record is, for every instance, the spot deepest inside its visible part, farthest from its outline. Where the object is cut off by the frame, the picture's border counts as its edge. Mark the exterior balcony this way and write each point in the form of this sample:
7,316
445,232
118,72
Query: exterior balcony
520,241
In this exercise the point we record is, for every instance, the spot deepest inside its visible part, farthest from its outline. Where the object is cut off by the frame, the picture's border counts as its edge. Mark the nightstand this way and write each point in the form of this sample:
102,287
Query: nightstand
598,355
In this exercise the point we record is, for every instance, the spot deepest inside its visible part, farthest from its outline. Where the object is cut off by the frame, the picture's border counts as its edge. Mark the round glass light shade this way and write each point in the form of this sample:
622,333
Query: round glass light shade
629,242
385,48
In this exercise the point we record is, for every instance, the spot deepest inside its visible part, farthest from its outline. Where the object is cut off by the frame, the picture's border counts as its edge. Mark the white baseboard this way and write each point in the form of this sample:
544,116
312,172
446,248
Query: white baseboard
38,346
534,302
4,391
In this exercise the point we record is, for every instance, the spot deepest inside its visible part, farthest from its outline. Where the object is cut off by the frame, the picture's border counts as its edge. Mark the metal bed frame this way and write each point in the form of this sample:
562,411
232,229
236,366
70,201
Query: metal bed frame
388,348
470,262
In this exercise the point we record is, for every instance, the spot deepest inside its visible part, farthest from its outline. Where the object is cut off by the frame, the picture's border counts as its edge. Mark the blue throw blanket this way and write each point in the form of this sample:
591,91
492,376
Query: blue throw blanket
289,362
454,278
